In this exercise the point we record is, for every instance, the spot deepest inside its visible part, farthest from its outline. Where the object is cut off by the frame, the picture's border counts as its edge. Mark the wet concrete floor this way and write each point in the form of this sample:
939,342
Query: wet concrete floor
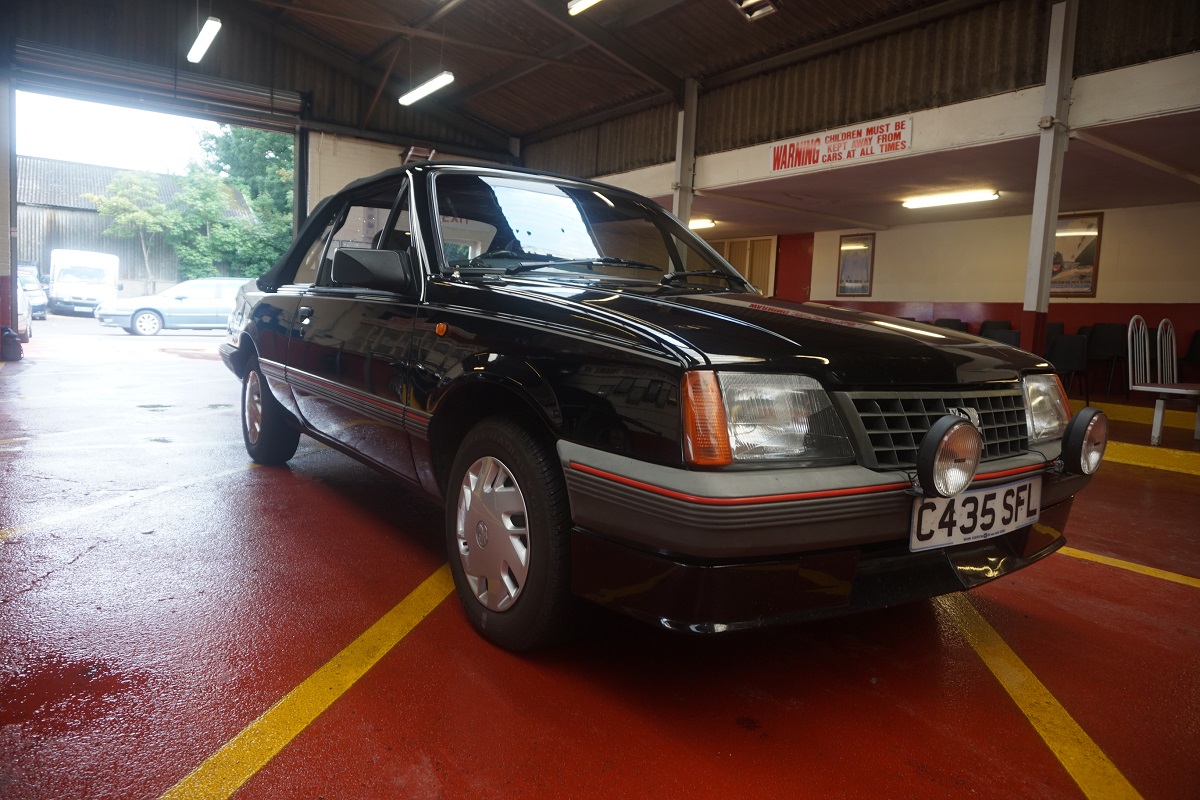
175,621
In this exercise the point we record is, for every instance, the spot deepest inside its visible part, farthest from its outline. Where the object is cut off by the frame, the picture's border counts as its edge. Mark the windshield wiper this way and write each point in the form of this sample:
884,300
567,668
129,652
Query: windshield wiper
671,277
590,263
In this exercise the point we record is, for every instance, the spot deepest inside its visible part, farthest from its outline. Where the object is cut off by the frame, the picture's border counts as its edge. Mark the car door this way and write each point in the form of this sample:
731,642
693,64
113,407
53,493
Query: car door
188,305
348,361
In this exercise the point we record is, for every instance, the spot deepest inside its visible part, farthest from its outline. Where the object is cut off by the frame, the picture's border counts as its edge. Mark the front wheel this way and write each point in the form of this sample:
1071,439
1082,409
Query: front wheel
268,436
146,323
507,534
27,334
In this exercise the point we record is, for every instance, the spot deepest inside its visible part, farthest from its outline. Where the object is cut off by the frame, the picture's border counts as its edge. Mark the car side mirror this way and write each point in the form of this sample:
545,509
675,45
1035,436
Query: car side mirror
389,270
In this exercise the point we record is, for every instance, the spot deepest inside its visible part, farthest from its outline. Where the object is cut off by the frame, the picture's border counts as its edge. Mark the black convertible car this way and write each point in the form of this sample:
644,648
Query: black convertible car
608,410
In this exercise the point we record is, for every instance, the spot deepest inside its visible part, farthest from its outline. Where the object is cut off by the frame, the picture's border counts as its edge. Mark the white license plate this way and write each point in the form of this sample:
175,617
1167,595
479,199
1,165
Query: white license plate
974,515
84,309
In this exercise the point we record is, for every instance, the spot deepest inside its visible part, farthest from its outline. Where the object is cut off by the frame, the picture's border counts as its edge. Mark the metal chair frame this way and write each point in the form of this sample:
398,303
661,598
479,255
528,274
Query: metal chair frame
1166,387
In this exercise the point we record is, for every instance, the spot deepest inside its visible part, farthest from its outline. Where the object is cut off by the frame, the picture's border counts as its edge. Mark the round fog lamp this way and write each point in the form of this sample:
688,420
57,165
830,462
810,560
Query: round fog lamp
1084,441
949,456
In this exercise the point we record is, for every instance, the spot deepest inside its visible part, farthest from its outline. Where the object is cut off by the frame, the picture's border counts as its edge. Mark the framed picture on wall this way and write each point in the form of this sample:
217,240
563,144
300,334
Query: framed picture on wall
856,263
1076,255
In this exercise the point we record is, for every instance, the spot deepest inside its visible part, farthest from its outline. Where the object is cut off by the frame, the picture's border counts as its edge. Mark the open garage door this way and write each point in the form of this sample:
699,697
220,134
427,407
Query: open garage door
39,67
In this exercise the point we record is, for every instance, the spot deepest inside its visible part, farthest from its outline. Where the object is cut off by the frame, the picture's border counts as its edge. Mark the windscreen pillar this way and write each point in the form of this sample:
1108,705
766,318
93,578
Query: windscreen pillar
1052,149
8,204
685,152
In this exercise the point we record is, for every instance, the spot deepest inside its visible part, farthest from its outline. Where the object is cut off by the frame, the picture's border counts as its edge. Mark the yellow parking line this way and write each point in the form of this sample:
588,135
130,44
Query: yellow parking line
1088,766
1163,458
237,762
1143,415
1161,574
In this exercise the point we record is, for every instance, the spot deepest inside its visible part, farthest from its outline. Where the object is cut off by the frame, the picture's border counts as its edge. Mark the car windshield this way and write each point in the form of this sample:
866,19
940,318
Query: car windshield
514,225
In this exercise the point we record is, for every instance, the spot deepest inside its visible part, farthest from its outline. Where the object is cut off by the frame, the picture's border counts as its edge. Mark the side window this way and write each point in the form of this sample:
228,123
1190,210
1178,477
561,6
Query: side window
362,226
400,235
307,271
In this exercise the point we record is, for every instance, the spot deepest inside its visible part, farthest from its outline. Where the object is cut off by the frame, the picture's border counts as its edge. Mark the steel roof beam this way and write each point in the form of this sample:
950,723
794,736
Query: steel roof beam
604,41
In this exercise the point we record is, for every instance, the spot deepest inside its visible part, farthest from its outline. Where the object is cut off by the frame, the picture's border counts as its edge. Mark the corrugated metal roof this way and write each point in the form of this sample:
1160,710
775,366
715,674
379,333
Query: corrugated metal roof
526,69
51,183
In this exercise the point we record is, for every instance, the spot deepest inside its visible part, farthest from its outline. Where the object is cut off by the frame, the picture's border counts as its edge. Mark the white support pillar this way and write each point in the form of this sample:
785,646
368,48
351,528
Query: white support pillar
685,152
1052,148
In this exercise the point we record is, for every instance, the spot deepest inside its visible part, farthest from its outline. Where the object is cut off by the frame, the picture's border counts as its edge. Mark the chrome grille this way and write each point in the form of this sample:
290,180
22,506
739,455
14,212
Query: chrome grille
891,425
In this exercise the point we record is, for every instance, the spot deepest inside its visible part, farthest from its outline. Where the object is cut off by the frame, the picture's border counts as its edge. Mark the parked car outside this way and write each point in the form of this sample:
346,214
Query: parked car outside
24,326
607,409
34,293
200,304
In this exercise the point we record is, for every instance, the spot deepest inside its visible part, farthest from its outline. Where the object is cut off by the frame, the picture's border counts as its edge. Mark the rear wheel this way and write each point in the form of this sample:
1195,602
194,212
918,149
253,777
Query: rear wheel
27,334
268,436
146,323
507,535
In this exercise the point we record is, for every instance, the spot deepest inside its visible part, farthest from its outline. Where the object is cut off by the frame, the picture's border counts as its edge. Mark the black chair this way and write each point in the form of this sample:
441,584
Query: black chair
1069,355
1005,335
1107,343
1053,331
951,323
989,325
1192,356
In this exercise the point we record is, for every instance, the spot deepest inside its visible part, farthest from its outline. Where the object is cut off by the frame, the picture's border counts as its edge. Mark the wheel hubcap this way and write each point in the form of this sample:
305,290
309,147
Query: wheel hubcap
146,323
493,534
253,405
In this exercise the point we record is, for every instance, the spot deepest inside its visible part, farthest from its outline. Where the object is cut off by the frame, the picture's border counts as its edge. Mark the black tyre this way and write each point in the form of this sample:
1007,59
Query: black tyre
266,430
508,535
27,334
145,323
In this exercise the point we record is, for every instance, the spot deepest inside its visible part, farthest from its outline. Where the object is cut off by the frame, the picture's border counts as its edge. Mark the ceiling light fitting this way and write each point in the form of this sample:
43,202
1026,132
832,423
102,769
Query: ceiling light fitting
977,196
576,6
204,39
428,87
700,224
754,9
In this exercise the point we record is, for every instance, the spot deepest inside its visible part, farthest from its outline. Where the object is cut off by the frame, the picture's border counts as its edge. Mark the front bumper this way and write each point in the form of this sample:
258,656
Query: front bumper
712,551
712,597
111,320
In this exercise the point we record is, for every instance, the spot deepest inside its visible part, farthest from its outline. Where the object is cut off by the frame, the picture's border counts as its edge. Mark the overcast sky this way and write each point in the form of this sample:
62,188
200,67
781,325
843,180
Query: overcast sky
114,136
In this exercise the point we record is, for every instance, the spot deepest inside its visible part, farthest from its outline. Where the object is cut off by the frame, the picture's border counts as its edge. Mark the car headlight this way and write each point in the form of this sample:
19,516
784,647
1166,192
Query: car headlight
1046,408
949,456
749,417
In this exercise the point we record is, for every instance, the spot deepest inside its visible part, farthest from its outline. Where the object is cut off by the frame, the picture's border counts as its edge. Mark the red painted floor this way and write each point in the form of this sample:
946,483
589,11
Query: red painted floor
159,594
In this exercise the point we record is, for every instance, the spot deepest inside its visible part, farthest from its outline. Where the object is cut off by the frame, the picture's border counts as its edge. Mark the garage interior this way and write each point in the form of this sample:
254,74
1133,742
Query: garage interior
177,622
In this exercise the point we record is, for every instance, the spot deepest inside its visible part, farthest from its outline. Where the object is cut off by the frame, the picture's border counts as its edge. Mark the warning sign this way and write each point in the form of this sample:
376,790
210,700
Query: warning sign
887,137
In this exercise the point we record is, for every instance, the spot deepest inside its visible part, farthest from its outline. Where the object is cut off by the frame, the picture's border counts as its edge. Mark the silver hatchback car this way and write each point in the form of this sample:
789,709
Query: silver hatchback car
201,304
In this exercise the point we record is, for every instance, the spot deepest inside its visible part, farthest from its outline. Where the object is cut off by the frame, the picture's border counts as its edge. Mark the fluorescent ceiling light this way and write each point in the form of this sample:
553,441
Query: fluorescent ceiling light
203,40
428,87
576,6
976,196
1079,232
754,9
854,247
699,224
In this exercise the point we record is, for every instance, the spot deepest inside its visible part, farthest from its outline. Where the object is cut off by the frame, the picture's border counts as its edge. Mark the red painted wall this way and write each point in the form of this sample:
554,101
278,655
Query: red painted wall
793,267
6,304
1184,316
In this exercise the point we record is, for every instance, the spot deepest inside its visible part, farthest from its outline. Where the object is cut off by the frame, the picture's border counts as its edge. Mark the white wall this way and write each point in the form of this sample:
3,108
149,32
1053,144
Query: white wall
334,161
1147,255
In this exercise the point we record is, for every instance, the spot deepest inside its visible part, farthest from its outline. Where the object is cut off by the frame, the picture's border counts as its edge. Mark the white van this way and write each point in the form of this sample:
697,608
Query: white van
80,280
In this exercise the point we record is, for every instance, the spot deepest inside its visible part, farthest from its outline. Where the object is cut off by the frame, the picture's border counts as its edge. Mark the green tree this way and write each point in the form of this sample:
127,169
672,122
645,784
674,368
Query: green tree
259,164
255,161
205,233
132,203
